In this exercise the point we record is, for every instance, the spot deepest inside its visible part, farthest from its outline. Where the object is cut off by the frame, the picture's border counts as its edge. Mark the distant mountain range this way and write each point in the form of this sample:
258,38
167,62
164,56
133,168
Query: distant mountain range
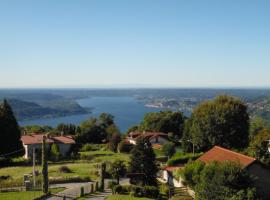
48,103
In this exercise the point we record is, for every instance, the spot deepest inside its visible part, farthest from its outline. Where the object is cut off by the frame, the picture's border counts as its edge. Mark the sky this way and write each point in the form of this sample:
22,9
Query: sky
134,43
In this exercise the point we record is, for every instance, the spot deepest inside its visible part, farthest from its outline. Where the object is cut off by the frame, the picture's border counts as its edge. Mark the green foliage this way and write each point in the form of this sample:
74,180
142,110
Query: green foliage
223,121
102,176
36,129
92,147
66,129
96,130
10,135
118,170
143,161
114,137
168,149
55,153
124,147
164,121
191,173
217,180
257,124
181,158
137,191
259,146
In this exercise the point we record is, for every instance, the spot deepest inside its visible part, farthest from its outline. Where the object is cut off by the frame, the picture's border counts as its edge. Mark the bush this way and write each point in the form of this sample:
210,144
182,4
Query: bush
168,149
182,158
124,147
150,192
86,157
136,191
64,169
118,189
111,185
87,147
5,162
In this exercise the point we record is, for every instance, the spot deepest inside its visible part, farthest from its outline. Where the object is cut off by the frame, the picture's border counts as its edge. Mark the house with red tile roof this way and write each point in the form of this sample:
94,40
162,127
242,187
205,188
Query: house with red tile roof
220,155
154,137
33,142
259,172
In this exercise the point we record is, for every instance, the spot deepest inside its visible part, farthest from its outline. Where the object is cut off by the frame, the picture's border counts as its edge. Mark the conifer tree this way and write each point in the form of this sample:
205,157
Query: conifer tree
143,163
10,135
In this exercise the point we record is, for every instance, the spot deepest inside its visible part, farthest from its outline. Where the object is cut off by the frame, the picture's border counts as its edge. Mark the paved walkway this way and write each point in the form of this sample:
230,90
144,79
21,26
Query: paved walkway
99,196
69,192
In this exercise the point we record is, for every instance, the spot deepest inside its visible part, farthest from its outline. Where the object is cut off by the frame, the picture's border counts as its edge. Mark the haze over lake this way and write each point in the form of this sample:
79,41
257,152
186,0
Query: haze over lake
128,111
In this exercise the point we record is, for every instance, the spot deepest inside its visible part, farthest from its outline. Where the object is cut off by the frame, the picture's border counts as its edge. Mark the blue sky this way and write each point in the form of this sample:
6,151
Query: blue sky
144,43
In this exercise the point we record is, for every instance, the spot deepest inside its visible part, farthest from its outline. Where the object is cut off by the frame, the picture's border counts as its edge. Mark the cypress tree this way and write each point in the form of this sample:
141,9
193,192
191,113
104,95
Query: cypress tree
10,135
45,184
102,176
143,162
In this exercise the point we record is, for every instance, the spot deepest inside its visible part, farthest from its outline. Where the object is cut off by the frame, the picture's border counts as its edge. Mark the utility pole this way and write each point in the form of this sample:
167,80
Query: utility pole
34,164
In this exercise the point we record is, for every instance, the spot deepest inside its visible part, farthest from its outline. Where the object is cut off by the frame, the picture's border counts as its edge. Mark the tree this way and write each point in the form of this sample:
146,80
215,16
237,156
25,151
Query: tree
223,121
164,121
45,180
219,181
102,176
259,146
223,181
257,124
55,153
168,149
105,120
114,141
143,163
10,135
91,132
118,170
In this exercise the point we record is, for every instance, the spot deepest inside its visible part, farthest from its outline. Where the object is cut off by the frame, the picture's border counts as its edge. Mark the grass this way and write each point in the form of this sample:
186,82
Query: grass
26,195
103,156
82,169
125,197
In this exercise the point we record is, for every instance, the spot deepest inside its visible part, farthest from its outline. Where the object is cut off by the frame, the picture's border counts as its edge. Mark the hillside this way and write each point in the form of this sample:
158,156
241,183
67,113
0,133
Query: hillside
25,110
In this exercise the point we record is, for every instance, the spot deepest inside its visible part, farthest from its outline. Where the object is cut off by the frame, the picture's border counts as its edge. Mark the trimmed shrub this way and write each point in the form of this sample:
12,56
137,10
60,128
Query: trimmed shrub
150,192
64,169
124,147
136,191
118,189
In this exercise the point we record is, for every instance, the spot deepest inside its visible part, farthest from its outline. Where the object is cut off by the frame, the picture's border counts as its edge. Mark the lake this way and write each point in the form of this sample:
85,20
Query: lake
128,111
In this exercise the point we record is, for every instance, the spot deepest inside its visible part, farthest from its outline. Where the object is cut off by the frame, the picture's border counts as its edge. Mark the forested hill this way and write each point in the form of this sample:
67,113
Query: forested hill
25,110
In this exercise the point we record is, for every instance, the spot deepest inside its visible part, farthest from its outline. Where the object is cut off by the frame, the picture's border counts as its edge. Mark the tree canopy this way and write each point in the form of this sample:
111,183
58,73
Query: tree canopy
97,130
164,121
223,121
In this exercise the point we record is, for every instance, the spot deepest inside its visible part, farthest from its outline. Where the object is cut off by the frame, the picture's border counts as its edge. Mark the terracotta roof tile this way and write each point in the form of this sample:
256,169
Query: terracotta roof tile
220,154
37,139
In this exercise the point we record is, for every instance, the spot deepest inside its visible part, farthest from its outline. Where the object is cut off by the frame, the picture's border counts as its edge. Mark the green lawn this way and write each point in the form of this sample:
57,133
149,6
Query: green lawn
82,169
103,156
125,197
26,195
